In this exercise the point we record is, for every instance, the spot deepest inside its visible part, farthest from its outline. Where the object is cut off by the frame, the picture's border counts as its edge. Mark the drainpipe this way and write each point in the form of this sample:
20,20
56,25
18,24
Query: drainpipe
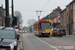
69,19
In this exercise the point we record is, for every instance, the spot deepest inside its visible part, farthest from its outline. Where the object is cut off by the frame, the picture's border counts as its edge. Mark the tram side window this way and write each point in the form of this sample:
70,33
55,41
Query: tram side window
40,26
37,25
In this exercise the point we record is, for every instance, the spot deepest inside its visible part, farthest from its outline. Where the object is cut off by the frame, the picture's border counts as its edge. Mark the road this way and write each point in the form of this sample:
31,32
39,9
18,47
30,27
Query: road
32,42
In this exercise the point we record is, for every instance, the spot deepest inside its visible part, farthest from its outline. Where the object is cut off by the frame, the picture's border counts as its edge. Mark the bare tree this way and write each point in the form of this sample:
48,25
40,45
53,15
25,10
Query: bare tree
31,21
30,24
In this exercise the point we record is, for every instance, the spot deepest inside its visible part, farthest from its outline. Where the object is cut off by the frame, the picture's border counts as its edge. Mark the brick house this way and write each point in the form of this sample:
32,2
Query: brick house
55,13
54,16
56,20
4,14
63,20
67,17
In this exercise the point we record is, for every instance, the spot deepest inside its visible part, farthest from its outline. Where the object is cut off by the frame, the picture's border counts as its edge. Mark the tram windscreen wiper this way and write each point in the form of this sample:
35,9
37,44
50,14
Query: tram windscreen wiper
1,40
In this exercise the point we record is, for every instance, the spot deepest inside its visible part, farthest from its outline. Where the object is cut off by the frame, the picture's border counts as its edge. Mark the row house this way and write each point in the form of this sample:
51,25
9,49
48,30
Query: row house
54,16
2,14
63,20
67,17
55,13
57,21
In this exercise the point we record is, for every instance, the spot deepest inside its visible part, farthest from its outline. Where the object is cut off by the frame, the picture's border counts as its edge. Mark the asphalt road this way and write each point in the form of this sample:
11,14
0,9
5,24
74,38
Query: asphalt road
32,42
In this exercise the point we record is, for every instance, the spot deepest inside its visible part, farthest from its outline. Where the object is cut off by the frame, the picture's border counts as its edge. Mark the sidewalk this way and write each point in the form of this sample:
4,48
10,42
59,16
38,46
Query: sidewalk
20,46
71,35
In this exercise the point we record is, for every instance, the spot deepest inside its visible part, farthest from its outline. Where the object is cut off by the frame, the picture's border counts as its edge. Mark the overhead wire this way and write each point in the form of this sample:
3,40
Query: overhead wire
41,9
45,5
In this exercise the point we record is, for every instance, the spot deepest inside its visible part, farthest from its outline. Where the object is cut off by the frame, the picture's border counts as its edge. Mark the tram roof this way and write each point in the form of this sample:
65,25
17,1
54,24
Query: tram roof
42,21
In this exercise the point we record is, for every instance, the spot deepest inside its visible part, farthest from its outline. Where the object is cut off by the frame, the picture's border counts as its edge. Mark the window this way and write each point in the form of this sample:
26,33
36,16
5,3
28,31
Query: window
59,18
0,19
7,34
71,13
0,12
71,6
45,26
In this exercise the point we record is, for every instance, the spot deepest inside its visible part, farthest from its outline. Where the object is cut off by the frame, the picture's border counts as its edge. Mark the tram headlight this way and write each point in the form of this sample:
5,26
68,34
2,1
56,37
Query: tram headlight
43,31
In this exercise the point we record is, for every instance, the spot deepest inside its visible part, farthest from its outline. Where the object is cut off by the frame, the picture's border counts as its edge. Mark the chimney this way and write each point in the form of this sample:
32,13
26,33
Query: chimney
58,7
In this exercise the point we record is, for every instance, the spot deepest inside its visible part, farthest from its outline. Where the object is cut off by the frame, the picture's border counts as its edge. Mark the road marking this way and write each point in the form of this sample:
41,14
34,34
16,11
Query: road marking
48,44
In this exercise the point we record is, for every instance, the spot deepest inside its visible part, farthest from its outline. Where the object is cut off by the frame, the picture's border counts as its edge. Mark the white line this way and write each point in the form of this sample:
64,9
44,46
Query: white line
48,44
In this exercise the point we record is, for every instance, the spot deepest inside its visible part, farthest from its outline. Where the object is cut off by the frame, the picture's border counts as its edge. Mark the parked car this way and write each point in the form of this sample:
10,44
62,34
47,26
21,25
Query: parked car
8,39
20,31
25,31
18,34
1,27
57,32
64,31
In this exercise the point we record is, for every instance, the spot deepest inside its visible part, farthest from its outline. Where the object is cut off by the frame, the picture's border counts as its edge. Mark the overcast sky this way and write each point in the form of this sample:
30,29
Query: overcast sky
28,7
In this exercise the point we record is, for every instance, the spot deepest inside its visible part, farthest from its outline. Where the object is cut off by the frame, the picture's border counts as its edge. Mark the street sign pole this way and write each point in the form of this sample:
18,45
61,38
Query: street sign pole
12,9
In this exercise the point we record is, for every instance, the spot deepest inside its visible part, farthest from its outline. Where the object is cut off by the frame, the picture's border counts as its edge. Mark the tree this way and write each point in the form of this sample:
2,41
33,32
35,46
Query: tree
19,18
31,22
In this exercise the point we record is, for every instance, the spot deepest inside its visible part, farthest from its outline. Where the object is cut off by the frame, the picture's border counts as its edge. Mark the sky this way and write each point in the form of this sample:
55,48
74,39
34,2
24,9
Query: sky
28,8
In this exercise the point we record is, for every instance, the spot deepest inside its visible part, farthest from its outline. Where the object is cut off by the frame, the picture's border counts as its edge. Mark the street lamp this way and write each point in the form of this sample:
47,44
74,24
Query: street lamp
38,14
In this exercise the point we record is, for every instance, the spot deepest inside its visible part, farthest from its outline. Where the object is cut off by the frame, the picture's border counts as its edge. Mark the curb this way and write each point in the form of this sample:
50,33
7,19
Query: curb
70,35
21,44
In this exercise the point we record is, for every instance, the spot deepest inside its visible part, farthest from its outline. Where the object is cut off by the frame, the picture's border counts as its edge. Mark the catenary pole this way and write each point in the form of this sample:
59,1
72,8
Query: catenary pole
12,9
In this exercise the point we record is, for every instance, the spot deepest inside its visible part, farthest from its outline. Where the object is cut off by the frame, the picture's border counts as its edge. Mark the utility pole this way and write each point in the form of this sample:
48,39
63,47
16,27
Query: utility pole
2,15
7,19
12,10
14,19
38,14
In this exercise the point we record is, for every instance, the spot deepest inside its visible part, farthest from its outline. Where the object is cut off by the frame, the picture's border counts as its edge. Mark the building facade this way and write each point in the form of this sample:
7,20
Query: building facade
54,16
2,14
73,17
63,20
67,18
56,21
